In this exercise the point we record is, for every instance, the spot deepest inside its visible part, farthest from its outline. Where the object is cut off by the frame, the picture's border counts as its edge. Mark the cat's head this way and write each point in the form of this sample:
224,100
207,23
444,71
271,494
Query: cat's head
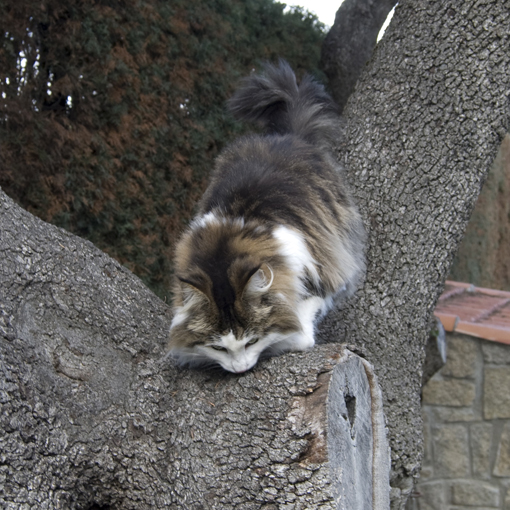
234,297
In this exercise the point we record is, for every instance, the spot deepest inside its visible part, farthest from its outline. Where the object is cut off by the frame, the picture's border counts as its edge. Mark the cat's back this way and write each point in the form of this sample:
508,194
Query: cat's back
285,183
277,178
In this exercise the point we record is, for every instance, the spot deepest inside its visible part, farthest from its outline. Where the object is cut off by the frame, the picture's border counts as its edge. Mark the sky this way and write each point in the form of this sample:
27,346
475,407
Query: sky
326,10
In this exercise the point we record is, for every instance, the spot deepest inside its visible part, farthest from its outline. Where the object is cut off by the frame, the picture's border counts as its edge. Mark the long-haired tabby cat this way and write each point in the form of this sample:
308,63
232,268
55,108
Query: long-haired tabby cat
277,235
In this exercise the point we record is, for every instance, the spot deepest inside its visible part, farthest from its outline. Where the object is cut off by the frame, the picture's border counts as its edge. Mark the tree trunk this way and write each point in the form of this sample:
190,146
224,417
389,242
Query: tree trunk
351,42
92,414
422,129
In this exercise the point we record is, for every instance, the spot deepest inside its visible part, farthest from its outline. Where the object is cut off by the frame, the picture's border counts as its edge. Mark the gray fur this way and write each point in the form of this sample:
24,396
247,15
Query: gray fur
276,212
275,101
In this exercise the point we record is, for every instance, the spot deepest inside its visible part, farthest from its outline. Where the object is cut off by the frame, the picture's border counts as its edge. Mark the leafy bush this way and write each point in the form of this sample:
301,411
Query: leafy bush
112,112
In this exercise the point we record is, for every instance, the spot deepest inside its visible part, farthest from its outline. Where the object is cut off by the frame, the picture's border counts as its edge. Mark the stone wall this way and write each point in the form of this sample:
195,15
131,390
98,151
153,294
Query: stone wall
466,412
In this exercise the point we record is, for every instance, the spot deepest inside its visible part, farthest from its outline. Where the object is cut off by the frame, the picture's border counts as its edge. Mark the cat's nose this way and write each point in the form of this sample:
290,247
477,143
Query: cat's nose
240,367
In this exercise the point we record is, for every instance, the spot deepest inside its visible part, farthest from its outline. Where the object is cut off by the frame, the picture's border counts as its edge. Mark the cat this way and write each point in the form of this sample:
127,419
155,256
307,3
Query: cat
277,236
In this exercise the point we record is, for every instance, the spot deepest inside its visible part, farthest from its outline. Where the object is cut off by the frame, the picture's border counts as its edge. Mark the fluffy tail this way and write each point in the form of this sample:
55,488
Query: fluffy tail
275,101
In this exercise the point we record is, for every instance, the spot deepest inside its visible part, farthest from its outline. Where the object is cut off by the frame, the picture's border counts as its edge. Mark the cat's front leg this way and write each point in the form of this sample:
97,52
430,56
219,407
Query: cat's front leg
302,341
308,310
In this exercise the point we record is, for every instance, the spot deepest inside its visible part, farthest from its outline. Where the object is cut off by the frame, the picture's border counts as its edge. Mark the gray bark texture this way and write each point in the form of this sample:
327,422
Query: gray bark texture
350,43
94,416
422,129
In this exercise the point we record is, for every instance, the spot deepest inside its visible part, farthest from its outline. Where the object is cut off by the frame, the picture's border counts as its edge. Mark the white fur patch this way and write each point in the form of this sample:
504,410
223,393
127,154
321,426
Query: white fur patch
308,311
293,248
207,219
215,218
191,298
238,355
179,317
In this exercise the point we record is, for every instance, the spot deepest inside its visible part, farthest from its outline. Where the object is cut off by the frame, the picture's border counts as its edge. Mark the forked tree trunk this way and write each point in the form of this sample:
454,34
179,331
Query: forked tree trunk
92,414
422,129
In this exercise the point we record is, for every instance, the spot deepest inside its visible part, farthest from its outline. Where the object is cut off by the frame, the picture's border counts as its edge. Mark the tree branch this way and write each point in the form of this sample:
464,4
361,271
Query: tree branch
92,412
350,43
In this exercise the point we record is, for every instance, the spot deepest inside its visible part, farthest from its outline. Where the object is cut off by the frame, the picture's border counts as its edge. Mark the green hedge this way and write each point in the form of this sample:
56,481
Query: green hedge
112,111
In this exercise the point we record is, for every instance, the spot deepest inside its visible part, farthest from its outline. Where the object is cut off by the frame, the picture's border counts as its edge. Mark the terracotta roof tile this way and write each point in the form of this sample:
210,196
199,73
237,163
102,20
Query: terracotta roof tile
475,311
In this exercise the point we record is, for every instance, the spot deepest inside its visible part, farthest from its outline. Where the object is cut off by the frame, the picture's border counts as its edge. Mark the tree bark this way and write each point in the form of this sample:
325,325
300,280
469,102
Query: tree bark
93,415
351,42
422,129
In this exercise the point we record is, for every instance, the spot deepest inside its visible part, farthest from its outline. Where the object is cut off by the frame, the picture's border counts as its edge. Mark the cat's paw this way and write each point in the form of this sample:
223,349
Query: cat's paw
302,342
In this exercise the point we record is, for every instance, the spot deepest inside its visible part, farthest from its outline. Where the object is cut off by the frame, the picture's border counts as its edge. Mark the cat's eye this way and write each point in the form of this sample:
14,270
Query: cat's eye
218,348
252,341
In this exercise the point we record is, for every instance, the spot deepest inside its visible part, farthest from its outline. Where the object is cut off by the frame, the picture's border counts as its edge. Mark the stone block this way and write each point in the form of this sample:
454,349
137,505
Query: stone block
497,354
496,392
451,414
456,507
426,473
462,356
475,493
449,392
502,465
450,450
481,440
431,495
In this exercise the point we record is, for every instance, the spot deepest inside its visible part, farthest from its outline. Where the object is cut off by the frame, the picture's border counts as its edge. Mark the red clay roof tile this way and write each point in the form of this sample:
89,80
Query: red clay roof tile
475,311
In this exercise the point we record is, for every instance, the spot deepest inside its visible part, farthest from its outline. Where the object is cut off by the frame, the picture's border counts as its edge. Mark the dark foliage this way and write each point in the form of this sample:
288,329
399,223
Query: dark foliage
112,112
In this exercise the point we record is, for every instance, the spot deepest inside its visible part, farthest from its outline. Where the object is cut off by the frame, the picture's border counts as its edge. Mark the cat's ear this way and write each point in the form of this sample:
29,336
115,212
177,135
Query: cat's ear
260,280
193,287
